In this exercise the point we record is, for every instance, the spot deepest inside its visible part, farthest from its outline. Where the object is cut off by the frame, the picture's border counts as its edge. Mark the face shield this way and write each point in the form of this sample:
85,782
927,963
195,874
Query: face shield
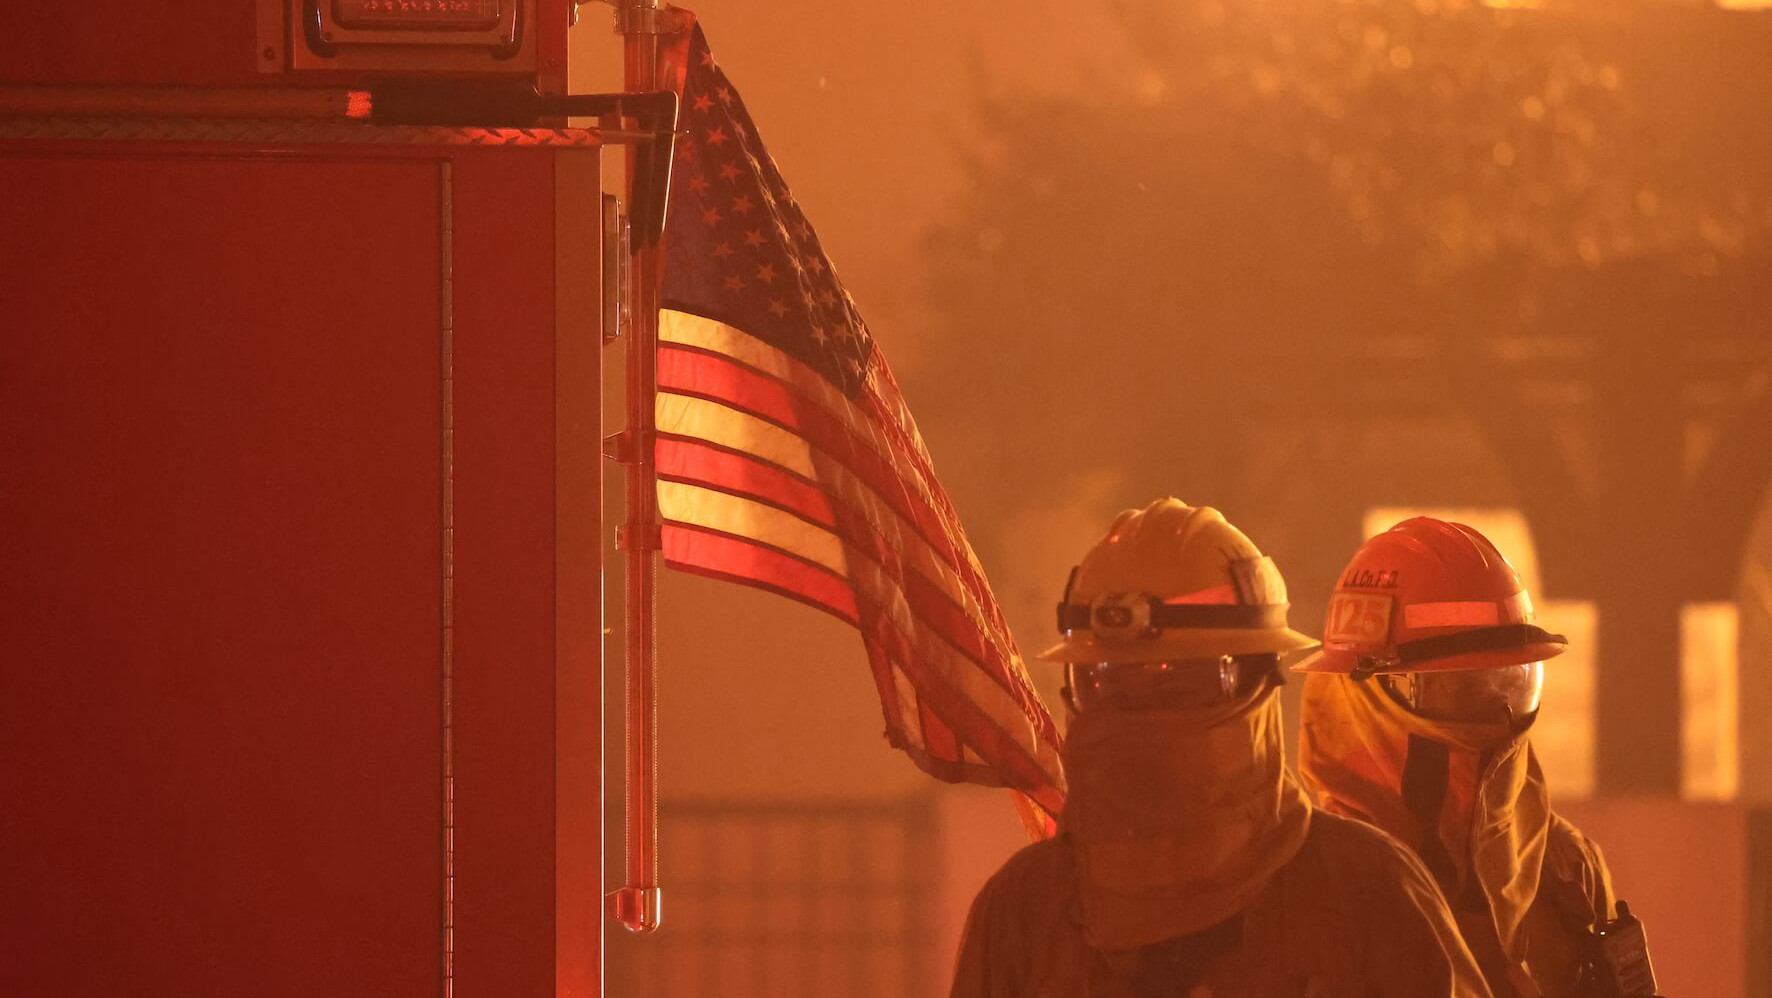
1175,684
1476,695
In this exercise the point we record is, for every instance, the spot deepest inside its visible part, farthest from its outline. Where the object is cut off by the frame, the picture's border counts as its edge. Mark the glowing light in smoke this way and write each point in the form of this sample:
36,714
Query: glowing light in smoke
1710,696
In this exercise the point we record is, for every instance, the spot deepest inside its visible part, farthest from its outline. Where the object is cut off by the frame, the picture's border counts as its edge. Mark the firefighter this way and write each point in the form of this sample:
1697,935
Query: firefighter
1415,718
1189,861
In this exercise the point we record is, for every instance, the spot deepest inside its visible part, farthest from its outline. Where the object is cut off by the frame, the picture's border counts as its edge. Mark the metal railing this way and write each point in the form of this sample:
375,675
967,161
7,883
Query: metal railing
785,900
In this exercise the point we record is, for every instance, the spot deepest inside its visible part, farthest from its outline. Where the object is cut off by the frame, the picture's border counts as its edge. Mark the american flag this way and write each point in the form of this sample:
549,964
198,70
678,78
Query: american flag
787,459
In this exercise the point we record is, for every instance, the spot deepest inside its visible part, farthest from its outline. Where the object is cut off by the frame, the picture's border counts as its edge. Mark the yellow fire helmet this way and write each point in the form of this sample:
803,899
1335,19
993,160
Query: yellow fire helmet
1173,581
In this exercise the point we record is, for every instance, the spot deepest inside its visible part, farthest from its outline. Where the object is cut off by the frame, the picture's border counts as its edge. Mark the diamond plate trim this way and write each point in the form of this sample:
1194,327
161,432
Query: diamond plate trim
283,132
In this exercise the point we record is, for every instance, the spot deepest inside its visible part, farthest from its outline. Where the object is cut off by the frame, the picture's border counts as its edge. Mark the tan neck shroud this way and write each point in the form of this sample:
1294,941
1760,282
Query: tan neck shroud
1494,819
1178,818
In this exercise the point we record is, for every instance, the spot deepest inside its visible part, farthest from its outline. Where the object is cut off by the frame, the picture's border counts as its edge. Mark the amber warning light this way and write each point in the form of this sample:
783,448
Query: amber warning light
404,35
408,15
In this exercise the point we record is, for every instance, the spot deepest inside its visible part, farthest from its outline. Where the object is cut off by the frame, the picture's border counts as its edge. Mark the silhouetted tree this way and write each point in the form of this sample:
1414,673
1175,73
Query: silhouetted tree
1297,257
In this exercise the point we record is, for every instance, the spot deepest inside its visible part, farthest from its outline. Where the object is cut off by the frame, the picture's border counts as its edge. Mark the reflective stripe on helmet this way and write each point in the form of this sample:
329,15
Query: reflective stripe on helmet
1223,595
1516,609
1120,615
1228,605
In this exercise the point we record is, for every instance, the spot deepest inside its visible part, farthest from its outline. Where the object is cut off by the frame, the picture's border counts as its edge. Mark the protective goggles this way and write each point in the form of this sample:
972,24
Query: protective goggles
1513,691
1178,683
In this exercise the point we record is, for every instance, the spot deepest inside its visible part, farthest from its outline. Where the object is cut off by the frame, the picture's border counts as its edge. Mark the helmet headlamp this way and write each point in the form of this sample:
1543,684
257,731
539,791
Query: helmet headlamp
1122,616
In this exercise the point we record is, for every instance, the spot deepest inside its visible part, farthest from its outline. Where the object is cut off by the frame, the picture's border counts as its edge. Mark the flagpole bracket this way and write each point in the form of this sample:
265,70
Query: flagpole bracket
638,17
639,537
625,447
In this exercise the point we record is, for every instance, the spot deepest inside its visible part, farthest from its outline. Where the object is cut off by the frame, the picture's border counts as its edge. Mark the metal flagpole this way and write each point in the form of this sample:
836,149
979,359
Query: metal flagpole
638,904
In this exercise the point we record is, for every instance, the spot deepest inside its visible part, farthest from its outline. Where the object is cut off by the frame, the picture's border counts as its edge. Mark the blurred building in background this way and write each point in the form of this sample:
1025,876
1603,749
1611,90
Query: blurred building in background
1322,264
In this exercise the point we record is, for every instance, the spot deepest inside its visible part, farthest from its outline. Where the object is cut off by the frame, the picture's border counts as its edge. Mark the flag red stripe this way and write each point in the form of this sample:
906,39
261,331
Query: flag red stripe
790,399
698,373
961,713
910,451
699,463
884,682
695,330
692,548
930,609
938,738
950,770
695,548
878,422
934,606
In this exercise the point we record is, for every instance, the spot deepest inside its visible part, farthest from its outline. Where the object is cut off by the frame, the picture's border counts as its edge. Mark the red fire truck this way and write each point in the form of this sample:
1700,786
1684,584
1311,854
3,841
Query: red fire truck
302,312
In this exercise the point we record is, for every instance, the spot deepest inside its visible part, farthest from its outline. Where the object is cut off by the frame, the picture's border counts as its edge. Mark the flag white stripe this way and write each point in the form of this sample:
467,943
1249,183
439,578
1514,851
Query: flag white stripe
728,341
745,518
704,419
738,515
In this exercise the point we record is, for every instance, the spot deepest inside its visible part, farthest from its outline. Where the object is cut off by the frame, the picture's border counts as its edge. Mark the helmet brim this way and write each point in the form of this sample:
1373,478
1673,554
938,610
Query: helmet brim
1335,660
1190,643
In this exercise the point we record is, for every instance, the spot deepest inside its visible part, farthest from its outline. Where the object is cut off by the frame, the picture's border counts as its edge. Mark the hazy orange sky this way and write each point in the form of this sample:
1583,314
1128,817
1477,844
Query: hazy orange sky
864,105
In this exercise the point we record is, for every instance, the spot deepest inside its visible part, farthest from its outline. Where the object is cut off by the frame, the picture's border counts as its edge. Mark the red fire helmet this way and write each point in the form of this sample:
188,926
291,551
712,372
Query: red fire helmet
1428,595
